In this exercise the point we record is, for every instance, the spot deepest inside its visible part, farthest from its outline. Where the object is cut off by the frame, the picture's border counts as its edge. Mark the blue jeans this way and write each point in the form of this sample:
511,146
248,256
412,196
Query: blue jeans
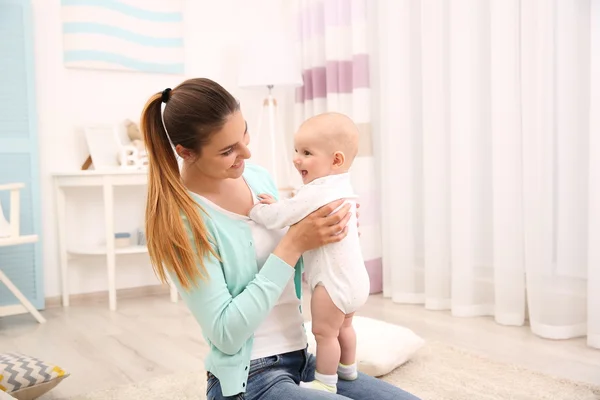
277,377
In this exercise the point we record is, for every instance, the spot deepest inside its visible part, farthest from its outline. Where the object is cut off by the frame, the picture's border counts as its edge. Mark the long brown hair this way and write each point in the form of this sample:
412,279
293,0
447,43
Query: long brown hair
194,110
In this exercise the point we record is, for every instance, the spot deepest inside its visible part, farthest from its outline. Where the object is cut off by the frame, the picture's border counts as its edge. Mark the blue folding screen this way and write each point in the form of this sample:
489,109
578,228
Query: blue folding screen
19,159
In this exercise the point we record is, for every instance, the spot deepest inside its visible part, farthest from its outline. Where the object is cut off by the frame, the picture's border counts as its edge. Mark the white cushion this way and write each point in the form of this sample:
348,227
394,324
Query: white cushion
381,346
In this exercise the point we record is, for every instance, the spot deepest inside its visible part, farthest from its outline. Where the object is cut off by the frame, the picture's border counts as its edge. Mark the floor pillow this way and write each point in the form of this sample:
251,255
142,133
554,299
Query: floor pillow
381,346
27,378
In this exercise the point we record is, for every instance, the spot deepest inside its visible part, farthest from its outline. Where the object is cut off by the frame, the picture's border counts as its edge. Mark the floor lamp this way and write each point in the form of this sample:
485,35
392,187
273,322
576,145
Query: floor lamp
268,61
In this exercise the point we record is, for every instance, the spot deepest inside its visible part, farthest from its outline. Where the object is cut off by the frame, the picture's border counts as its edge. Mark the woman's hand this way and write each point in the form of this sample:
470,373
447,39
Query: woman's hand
321,227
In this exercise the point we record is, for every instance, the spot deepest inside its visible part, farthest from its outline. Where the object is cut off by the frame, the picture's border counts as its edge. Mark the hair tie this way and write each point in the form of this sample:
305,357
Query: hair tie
164,97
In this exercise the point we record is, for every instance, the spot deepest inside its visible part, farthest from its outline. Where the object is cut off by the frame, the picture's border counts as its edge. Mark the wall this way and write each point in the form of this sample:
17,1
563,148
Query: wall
69,99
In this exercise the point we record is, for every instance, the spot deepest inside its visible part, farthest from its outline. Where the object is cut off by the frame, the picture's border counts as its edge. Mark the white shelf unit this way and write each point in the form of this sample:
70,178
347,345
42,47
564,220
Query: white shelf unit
107,180
102,250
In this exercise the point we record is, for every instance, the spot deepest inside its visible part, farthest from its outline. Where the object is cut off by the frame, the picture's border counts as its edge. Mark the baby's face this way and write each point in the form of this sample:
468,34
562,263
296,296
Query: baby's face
313,158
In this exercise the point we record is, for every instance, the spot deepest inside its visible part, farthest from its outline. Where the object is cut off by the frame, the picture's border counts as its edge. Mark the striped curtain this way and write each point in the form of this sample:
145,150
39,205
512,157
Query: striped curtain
335,68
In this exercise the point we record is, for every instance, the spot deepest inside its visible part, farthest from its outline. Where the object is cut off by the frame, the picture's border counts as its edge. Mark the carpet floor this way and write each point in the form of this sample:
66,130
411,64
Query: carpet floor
437,372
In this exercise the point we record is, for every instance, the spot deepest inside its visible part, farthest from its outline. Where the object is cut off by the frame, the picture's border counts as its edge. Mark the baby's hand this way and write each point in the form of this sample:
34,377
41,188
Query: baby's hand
266,198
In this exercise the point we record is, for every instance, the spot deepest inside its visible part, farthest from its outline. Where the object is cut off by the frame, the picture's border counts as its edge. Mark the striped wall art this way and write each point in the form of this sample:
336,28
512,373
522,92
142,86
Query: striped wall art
126,35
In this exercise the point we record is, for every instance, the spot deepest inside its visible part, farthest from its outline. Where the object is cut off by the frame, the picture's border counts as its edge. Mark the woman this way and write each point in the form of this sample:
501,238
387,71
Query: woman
235,276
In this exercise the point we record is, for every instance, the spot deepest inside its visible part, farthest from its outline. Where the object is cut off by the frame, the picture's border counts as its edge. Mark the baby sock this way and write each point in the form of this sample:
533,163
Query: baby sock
347,372
326,383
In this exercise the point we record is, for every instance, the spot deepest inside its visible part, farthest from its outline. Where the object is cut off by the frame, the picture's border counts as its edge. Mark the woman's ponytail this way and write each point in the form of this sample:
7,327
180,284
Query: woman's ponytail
169,243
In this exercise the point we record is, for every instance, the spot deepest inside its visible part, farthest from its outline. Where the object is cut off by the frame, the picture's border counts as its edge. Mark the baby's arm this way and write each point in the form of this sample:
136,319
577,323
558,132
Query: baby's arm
286,212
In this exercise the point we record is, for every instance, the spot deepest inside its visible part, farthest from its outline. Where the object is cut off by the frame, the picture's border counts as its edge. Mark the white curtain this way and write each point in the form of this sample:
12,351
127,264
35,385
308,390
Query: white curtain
489,121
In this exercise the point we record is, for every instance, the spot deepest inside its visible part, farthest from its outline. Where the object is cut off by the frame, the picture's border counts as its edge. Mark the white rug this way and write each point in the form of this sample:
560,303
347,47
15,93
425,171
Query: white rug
437,372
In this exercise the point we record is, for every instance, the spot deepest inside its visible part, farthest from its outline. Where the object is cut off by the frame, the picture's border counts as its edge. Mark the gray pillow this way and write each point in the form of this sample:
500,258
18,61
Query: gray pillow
27,378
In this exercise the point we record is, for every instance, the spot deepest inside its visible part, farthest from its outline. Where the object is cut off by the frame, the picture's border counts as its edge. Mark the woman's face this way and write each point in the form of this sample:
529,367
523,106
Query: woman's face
223,157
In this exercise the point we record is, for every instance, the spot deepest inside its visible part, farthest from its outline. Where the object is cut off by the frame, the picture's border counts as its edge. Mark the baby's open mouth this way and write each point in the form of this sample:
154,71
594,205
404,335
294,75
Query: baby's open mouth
303,172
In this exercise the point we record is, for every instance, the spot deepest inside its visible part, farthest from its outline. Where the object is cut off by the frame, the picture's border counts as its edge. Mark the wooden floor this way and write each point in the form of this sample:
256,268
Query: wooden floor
150,336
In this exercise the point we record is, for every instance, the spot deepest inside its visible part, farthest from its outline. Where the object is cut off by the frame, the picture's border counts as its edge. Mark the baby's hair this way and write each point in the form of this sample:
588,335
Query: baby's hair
339,130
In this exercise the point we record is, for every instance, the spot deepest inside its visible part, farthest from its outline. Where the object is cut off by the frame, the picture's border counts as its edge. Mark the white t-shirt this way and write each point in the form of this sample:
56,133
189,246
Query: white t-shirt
282,330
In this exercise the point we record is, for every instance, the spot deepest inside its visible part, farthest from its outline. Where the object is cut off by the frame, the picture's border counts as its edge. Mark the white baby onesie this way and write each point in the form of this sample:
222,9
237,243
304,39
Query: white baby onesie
339,267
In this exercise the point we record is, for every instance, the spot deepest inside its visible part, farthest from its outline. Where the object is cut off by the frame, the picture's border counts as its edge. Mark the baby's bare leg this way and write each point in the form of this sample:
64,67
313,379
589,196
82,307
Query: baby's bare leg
347,369
347,339
327,320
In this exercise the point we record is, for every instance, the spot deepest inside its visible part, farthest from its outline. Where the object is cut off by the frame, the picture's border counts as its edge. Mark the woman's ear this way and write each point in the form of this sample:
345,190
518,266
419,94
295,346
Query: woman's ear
338,159
184,153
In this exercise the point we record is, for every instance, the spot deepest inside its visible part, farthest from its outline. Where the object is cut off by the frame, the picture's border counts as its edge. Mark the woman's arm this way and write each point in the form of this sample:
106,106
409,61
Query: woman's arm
229,321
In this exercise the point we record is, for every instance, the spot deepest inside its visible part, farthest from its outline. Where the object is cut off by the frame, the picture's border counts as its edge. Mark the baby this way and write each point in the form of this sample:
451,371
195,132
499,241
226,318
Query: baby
326,146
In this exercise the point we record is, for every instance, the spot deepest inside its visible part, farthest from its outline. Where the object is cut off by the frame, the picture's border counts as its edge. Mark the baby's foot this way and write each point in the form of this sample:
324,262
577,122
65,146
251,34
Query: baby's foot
318,385
326,383
347,372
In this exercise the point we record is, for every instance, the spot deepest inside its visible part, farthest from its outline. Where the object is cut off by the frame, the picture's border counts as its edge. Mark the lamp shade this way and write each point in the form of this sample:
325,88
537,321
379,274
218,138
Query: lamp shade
269,59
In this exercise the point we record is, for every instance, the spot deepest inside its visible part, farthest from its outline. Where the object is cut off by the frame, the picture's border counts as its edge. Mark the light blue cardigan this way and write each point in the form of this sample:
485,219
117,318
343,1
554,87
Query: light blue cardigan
236,298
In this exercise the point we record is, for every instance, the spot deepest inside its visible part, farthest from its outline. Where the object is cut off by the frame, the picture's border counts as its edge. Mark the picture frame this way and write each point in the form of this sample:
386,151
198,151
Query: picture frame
103,144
